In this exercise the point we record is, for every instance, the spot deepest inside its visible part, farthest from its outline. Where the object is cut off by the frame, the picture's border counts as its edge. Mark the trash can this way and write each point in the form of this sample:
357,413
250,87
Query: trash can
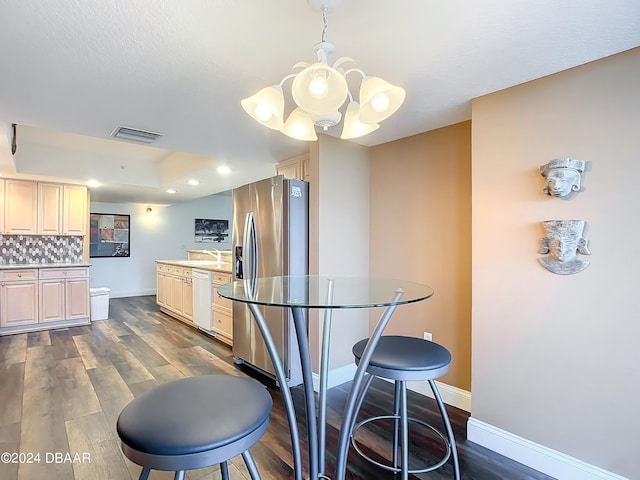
99,303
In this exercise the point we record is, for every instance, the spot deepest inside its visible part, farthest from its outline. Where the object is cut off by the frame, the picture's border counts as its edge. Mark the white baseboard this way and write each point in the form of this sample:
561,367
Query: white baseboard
140,293
336,377
534,455
450,395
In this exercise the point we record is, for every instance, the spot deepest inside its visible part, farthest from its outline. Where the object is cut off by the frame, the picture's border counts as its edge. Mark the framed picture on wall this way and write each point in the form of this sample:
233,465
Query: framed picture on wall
209,230
109,235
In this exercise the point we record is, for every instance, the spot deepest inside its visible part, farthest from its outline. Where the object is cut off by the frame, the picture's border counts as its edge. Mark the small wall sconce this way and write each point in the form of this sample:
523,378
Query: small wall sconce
149,211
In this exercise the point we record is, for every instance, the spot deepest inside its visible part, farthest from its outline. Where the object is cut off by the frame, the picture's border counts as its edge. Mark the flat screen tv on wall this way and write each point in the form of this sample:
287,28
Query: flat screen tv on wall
109,235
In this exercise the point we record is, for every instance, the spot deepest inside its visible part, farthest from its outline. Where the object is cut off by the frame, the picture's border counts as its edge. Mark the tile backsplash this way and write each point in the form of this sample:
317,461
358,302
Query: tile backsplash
34,249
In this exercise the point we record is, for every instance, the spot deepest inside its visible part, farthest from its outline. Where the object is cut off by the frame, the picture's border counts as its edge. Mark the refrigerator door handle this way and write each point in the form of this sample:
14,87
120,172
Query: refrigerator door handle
250,248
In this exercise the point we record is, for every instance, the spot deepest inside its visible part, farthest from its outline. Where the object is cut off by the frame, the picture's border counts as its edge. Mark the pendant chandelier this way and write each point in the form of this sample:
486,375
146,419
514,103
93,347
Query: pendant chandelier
320,91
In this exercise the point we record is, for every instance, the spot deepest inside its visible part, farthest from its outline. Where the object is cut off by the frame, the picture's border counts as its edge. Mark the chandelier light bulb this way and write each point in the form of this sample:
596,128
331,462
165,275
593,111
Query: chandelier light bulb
263,113
353,127
380,103
266,106
299,125
298,129
318,87
378,99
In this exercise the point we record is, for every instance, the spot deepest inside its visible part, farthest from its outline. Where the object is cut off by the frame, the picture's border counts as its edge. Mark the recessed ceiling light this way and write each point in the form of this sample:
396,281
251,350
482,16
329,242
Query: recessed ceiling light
171,191
93,183
193,182
223,170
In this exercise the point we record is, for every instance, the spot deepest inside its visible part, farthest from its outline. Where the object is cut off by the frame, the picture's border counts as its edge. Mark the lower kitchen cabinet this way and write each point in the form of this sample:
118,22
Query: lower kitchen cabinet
187,296
37,299
174,291
174,296
222,313
162,287
18,297
64,294
51,300
77,298
177,294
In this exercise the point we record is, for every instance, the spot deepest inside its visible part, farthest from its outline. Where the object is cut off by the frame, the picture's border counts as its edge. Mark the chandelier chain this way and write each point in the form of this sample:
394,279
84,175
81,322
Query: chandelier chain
325,9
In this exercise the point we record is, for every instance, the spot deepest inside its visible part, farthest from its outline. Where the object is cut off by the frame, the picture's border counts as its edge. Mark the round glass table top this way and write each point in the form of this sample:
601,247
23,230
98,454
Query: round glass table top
311,291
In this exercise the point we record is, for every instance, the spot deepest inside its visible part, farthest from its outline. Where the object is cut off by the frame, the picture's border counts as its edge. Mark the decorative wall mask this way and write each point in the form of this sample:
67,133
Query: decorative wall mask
562,176
563,239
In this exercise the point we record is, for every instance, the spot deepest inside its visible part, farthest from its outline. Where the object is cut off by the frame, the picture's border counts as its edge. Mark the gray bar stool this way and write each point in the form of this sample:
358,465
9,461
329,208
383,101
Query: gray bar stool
194,423
403,359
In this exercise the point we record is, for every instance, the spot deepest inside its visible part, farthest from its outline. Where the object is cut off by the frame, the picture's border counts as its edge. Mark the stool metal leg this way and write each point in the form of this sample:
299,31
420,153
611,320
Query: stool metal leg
368,378
251,465
396,421
179,475
404,431
224,471
447,426
144,474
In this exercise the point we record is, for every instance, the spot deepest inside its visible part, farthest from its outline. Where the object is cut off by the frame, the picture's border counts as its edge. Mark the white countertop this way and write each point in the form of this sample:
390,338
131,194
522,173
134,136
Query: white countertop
200,264
15,266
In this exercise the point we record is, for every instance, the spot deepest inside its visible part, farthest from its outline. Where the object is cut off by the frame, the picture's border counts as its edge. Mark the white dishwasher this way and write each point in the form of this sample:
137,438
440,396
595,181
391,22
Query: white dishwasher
202,306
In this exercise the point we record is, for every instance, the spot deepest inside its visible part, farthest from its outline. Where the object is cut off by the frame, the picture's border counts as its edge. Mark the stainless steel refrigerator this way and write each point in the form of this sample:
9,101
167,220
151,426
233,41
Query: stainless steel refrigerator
270,237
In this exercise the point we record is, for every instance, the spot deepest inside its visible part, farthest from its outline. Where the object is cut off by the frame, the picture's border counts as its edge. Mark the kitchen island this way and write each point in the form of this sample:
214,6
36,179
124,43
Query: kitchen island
175,294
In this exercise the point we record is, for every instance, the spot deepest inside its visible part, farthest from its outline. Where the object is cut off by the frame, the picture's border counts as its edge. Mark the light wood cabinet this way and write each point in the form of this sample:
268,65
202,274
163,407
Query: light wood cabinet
43,208
174,296
50,208
290,169
18,297
187,298
174,292
296,168
64,294
37,299
2,203
222,313
77,298
74,217
51,300
20,207
161,285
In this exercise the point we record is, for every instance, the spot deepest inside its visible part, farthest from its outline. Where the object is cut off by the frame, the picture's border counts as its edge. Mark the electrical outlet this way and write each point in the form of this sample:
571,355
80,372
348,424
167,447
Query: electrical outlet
427,336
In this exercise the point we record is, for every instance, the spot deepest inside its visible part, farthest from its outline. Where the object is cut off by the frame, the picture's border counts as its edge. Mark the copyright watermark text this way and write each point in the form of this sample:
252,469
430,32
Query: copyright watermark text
45,457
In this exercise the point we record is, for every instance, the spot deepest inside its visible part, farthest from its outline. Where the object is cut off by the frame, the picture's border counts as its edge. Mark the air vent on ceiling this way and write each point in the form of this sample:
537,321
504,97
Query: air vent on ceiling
135,135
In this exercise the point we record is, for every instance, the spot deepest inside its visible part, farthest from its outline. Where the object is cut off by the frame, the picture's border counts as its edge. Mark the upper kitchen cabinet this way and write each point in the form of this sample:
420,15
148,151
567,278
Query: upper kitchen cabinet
20,207
44,208
49,208
74,218
296,168
2,203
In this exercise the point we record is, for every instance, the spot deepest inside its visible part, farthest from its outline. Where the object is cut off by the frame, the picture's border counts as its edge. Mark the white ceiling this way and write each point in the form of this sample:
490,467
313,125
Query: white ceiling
73,70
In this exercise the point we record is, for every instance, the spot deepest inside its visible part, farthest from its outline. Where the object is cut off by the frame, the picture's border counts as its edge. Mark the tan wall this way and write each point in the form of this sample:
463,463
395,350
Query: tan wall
556,358
420,230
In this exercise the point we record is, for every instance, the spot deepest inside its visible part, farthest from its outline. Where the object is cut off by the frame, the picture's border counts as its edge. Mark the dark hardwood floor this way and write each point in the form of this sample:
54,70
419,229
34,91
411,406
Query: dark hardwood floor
61,392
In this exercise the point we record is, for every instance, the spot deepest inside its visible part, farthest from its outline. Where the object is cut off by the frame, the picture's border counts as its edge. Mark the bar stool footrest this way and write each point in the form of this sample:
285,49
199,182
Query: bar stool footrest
390,467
